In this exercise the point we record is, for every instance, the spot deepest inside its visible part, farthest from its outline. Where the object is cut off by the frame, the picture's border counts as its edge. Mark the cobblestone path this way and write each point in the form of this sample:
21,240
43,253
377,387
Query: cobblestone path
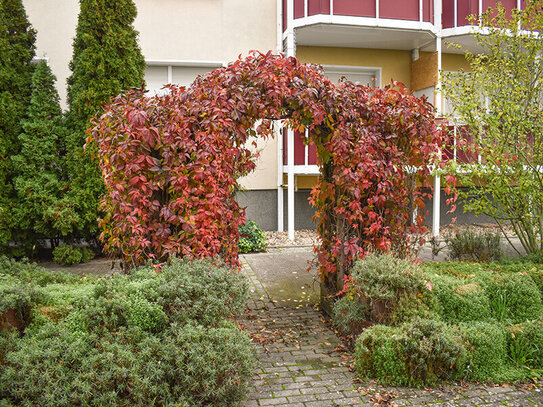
303,364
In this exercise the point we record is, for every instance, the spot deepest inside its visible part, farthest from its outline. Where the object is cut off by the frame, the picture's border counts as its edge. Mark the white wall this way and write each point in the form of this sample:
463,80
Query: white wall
178,30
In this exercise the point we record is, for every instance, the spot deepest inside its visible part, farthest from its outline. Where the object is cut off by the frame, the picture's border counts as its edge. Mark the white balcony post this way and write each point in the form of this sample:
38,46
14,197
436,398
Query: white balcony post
436,219
280,199
290,199
291,52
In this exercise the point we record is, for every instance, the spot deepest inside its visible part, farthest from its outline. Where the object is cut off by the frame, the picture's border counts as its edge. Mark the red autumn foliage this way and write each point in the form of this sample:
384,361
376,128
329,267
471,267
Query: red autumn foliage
170,163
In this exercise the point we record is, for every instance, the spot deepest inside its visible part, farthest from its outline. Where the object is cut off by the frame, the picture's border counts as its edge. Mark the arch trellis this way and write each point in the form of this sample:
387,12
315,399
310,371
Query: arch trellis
170,163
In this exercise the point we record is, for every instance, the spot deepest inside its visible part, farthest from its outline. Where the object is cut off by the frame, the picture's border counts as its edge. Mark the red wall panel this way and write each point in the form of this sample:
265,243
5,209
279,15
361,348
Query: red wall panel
318,7
358,8
448,13
298,8
428,11
465,8
401,10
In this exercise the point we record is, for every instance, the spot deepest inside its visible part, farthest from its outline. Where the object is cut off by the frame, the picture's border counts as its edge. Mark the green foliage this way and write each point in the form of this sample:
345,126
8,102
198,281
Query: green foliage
499,101
106,61
379,353
461,327
525,343
122,340
520,294
487,350
392,288
17,49
473,246
418,353
461,299
40,177
350,315
68,255
252,238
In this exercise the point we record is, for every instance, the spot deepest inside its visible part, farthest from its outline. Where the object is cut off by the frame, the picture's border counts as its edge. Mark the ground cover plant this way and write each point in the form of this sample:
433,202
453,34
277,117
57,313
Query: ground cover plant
251,238
159,336
425,323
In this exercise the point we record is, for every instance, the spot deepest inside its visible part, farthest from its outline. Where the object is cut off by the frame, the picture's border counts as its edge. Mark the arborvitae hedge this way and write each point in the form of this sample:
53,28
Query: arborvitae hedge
106,60
39,177
17,49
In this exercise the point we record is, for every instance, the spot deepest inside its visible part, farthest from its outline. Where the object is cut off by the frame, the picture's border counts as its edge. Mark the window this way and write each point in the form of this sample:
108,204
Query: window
160,73
359,75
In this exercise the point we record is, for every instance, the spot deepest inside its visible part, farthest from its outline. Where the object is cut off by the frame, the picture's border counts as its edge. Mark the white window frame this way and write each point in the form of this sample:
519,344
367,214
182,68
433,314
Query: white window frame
346,69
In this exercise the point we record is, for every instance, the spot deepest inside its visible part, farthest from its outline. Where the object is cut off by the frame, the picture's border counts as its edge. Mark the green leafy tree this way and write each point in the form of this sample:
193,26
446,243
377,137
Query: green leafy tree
17,49
501,103
106,60
40,180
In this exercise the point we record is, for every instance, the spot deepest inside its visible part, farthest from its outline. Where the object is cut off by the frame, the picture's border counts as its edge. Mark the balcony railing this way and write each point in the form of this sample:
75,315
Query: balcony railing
456,12
406,10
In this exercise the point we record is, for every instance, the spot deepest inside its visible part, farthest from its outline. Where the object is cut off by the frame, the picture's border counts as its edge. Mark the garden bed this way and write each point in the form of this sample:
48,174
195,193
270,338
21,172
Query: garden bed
419,324
155,337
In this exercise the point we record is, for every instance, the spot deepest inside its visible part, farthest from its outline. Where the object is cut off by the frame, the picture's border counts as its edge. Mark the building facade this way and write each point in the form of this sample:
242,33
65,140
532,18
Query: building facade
365,41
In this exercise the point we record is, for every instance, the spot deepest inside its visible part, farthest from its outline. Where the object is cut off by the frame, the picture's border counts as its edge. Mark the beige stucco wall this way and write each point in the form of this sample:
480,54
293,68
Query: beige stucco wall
178,30
395,65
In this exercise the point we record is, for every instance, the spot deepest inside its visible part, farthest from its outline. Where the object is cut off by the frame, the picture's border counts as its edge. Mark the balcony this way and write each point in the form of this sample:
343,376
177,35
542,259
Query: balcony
363,24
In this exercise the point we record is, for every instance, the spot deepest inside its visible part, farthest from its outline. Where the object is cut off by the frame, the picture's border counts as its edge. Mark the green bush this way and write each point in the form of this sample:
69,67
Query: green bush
487,350
525,344
461,299
474,246
149,338
25,272
379,353
67,255
252,238
422,352
192,364
350,315
516,297
393,289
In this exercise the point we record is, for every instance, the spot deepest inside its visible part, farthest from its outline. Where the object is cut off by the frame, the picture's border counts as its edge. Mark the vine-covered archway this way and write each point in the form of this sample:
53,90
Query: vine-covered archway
171,163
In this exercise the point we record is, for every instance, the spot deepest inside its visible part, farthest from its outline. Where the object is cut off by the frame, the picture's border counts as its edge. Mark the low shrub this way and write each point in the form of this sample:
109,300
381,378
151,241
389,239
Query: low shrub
525,343
475,246
391,288
67,255
155,337
461,299
379,353
350,315
25,272
515,298
251,238
487,350
422,352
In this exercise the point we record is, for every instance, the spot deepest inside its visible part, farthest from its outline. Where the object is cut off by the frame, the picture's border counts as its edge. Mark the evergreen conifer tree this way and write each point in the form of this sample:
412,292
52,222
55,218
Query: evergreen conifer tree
17,39
40,180
106,60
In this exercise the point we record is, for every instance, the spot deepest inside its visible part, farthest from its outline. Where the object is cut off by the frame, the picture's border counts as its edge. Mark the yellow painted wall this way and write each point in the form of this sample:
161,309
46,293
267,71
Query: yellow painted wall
395,65
454,62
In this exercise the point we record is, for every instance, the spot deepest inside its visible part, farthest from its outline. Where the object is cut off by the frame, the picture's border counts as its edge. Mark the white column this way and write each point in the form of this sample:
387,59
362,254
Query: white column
280,199
291,52
436,219
290,159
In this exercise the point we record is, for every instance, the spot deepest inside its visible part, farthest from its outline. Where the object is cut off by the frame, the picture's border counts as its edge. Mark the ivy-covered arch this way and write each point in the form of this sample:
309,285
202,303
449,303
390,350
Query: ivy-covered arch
171,163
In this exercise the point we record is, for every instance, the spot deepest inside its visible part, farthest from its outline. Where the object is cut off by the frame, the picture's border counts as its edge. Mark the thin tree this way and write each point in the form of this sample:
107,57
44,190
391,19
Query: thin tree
106,60
17,39
40,180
